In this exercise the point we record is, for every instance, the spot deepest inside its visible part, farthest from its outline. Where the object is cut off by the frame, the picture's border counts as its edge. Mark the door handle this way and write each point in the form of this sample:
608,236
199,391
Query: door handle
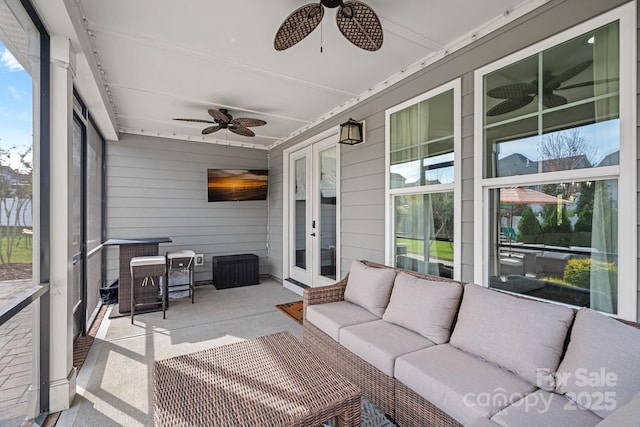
312,234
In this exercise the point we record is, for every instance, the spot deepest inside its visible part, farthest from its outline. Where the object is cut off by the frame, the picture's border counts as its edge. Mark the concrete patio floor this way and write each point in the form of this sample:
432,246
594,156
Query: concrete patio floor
114,385
106,396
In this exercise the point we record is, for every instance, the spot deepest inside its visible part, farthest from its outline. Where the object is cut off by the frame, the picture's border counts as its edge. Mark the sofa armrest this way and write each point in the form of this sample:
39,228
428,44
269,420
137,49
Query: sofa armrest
324,294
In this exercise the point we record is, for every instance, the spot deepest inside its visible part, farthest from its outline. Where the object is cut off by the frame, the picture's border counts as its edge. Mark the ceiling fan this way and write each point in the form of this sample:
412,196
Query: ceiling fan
223,120
517,95
356,21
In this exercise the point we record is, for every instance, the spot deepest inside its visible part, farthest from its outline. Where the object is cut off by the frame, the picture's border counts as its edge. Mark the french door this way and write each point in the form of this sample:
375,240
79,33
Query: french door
313,224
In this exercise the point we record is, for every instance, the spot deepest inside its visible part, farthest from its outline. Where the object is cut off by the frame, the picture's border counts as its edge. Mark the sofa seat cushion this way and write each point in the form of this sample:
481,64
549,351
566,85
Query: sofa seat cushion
369,287
333,316
379,343
600,368
482,422
544,408
628,415
524,336
462,385
424,306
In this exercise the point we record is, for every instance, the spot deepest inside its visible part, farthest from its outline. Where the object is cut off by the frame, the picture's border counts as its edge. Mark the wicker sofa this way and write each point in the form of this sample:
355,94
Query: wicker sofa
502,360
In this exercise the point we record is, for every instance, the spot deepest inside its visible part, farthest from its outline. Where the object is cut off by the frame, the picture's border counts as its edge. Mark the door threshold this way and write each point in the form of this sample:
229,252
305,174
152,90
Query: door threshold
294,285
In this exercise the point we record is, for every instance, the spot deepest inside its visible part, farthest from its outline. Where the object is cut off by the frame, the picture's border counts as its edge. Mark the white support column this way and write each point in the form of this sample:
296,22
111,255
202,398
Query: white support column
62,372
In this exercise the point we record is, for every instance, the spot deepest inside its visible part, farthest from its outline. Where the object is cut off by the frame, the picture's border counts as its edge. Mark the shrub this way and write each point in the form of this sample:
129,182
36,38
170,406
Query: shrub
578,271
585,220
529,228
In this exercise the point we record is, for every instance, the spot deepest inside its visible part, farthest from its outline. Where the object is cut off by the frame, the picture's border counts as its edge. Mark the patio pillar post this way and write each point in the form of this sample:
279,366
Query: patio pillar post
62,373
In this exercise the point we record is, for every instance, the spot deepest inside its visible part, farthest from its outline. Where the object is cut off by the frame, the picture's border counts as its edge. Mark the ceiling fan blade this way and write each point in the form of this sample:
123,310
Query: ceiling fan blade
555,81
241,130
360,25
590,83
194,120
219,116
509,105
248,122
550,100
298,25
210,129
513,90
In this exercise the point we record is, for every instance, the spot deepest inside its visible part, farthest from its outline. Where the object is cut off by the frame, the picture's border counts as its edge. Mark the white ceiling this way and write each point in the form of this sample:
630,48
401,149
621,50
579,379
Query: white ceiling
155,60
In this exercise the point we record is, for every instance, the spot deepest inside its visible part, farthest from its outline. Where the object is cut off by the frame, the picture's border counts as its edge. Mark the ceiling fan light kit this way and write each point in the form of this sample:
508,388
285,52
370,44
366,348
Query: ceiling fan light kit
356,21
223,120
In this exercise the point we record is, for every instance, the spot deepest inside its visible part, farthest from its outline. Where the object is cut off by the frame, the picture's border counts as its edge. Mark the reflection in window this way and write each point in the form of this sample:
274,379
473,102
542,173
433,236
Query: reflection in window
422,143
328,212
558,242
424,233
556,110
300,224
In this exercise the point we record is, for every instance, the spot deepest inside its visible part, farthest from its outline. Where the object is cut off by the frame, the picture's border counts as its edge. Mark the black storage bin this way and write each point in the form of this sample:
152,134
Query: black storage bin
230,271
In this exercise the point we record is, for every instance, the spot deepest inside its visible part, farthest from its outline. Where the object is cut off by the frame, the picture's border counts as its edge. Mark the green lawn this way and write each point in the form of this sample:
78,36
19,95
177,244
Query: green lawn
20,253
438,249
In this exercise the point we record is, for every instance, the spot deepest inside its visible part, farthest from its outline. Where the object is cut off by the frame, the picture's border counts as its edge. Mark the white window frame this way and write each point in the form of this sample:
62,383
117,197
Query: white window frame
625,172
455,187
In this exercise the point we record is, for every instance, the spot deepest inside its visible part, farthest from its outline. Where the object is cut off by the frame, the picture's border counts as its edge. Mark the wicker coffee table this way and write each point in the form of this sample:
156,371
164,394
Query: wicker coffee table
269,381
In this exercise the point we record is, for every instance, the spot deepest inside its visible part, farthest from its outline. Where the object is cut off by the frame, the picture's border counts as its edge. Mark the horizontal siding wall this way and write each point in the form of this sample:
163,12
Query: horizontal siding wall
362,167
157,187
638,161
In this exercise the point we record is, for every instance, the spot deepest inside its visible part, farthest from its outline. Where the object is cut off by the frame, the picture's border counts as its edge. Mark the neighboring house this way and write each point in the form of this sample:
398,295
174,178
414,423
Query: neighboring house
519,164
610,159
516,164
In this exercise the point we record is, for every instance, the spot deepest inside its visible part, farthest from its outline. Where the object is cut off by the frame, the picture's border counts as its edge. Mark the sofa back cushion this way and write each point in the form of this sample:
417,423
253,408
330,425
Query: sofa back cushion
524,336
369,287
600,368
424,306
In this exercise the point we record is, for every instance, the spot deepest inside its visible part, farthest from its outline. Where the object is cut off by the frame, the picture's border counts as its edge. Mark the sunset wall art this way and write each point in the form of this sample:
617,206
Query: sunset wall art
228,185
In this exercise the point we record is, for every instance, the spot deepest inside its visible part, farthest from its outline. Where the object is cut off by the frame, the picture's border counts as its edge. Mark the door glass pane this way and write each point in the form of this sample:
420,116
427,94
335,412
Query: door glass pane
300,213
556,110
422,143
424,233
75,226
558,242
327,223
93,217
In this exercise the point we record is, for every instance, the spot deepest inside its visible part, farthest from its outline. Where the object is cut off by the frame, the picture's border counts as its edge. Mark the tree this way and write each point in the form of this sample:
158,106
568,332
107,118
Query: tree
529,229
587,193
557,231
582,229
15,197
442,210
566,150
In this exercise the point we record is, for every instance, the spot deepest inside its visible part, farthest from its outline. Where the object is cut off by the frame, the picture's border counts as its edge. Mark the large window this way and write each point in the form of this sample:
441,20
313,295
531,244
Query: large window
552,169
422,175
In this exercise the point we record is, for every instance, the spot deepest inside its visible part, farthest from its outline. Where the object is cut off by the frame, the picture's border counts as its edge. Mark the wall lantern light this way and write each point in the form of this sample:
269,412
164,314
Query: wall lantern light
351,132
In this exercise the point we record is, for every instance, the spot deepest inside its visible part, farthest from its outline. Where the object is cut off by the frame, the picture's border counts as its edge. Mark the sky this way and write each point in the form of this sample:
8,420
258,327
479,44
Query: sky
603,136
16,105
